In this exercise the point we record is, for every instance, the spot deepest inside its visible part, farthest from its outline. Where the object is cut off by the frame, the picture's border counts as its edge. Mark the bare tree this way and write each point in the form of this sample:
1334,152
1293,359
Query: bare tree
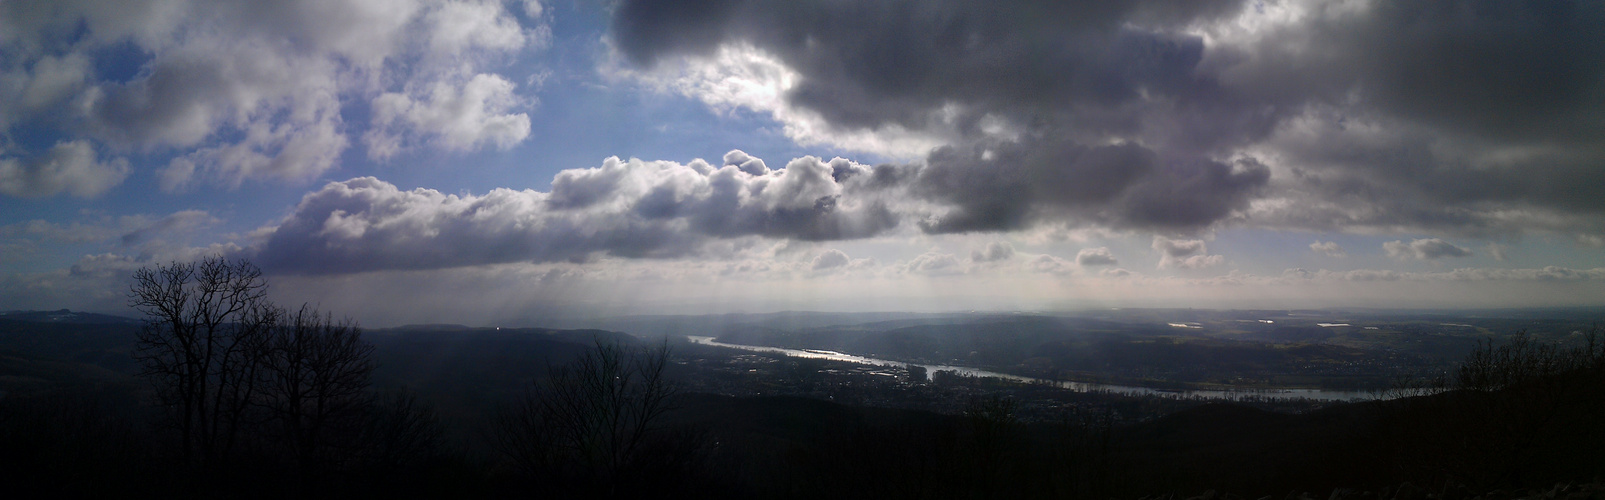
591,420
206,325
315,376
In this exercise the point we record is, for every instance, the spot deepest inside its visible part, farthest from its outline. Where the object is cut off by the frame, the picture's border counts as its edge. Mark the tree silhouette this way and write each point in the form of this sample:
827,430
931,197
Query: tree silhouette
315,376
229,368
206,325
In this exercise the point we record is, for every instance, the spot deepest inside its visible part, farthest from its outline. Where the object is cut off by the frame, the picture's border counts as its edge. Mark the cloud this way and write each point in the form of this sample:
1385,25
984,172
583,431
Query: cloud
1328,248
986,58
623,208
286,153
69,166
259,90
454,119
1093,257
1153,115
1424,249
994,252
1185,254
830,259
740,76
969,99
1049,264
935,264
532,8
1007,186
27,91
457,27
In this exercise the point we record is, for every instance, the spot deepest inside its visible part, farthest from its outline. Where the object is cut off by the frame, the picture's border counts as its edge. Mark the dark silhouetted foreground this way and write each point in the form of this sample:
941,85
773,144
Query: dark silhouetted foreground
221,394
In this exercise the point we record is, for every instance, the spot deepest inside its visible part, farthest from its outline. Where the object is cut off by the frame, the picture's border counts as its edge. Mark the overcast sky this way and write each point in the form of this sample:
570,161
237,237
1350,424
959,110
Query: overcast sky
490,162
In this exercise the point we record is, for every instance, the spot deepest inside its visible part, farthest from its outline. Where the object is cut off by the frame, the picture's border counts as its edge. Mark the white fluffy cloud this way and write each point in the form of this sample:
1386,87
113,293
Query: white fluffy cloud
994,252
246,90
26,90
70,167
744,77
476,115
830,259
623,208
1185,254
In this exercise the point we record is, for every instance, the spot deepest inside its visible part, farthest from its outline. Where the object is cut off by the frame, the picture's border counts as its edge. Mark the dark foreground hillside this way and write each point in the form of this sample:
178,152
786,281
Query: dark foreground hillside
75,420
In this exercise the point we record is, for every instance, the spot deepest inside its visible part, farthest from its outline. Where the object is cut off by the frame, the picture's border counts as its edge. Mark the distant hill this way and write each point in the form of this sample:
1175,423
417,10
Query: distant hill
66,316
657,326
40,350
95,339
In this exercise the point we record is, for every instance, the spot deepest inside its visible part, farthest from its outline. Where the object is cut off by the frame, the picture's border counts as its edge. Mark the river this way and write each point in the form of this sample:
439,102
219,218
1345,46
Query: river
1227,394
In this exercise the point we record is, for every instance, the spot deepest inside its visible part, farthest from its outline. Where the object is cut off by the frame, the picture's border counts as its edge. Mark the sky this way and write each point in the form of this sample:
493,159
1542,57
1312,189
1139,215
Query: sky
499,162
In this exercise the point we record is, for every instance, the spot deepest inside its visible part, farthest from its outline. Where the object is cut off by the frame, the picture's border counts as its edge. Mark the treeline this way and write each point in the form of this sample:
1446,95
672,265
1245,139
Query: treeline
1514,414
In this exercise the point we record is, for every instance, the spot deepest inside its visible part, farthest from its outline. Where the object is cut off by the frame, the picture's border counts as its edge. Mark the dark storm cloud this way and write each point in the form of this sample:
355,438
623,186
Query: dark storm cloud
1003,187
1447,116
1419,180
1506,70
868,63
1073,73
624,209
1011,185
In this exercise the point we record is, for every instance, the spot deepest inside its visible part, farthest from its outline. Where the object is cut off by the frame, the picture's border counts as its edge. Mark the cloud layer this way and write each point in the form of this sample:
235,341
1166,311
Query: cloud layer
622,208
1455,117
